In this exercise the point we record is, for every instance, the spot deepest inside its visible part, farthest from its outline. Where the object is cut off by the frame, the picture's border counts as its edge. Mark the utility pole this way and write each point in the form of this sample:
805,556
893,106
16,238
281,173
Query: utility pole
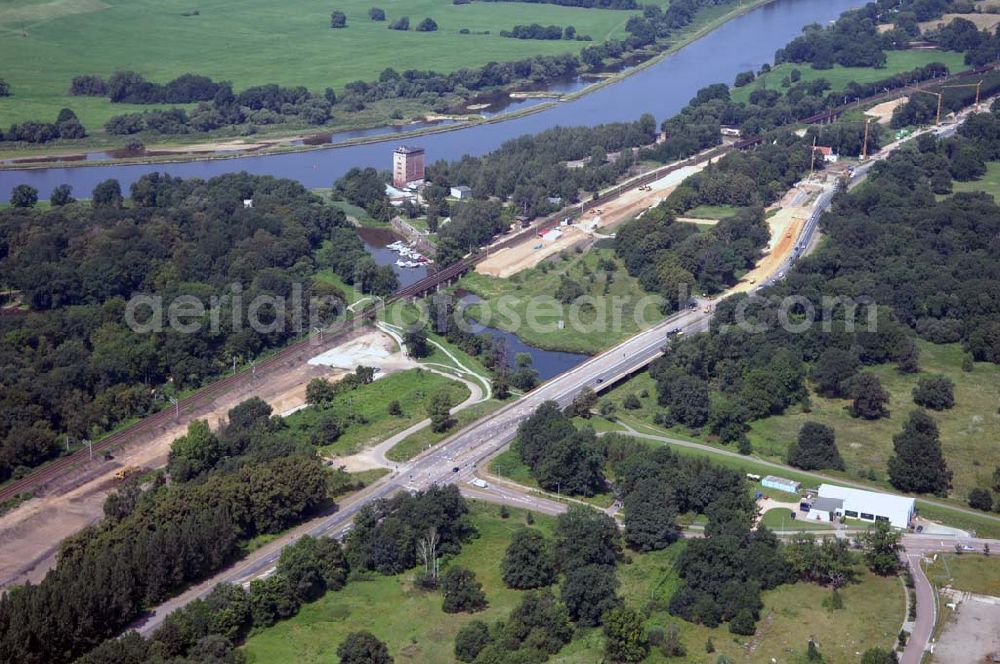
177,406
90,446
812,159
864,141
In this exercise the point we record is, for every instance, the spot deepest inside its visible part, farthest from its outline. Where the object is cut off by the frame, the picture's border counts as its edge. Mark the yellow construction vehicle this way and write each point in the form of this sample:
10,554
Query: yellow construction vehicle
125,472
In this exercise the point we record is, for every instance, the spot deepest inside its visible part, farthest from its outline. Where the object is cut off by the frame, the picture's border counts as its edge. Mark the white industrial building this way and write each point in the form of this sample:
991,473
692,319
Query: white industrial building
837,501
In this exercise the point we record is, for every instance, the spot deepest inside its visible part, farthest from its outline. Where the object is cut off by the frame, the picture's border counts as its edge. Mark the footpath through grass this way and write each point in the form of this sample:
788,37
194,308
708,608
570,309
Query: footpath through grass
365,410
611,310
969,431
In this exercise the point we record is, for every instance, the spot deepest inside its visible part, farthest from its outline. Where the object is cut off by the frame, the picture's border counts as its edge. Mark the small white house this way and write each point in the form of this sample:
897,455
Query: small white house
825,509
461,192
869,505
829,155
247,203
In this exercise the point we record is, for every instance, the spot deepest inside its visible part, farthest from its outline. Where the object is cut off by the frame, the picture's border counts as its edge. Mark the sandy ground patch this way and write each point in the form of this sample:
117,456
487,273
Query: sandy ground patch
30,534
219,146
528,254
883,112
785,225
698,220
512,260
376,350
982,21
972,631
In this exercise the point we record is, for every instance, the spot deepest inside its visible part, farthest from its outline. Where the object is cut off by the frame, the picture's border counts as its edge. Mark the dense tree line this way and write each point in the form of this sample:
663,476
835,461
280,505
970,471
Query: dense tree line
207,630
128,87
153,542
67,125
674,259
72,367
917,265
560,457
259,105
586,4
536,31
387,531
435,87
853,40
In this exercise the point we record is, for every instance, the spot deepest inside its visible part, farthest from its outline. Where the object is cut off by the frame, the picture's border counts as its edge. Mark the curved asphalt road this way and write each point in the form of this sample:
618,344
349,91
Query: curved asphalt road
455,459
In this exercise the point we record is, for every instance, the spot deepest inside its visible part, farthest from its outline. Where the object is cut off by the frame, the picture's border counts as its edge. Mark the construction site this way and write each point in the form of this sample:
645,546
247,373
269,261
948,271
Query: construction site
594,224
29,535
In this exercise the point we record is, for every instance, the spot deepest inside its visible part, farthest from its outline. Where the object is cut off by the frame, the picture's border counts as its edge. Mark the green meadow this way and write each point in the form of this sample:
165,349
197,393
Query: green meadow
415,629
839,77
45,43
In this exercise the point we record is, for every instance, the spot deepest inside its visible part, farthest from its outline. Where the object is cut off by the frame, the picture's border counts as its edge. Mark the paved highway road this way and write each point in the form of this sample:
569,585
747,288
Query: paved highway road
456,459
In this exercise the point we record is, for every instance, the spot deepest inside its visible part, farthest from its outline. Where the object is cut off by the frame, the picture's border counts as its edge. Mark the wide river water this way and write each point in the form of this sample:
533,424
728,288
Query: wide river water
662,89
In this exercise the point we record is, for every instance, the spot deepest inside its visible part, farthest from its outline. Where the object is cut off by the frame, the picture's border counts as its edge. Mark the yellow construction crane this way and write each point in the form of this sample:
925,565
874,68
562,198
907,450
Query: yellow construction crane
940,97
978,86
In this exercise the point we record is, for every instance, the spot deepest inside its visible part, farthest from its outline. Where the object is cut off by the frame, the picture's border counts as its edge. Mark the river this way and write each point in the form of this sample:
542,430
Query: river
745,42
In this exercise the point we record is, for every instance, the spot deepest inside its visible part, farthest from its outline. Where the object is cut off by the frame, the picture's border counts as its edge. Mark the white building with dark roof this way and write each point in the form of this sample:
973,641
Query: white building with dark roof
865,505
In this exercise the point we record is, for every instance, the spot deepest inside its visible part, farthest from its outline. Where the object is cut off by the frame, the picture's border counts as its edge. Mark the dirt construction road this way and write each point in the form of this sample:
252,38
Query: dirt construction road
530,253
29,534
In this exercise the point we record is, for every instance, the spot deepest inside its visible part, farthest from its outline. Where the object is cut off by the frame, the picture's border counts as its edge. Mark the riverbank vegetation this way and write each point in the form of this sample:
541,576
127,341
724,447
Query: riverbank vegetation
596,274
383,76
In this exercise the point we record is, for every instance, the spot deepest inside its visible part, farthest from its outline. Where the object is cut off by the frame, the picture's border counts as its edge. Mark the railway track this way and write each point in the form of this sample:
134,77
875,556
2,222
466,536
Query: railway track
58,467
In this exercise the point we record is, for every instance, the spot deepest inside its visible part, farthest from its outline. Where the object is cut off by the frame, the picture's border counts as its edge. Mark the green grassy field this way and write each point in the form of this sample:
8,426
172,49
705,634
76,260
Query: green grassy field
839,77
990,182
417,442
779,519
712,211
413,389
44,43
971,571
415,629
512,304
408,619
969,431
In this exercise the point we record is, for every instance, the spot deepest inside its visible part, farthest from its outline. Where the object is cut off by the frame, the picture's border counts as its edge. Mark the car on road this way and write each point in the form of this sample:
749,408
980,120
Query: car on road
454,469
479,483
